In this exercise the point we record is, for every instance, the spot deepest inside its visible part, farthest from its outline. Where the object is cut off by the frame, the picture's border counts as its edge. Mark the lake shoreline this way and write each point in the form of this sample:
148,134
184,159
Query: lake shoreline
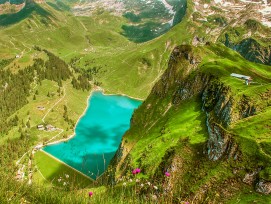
92,104
72,135
96,89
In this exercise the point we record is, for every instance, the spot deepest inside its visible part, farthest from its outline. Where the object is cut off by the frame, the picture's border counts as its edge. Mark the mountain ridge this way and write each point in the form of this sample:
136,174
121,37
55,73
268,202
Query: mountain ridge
153,124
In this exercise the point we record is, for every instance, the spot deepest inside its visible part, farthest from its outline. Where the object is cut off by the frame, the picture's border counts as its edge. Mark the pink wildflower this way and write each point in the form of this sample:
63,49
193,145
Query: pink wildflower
90,194
137,170
167,174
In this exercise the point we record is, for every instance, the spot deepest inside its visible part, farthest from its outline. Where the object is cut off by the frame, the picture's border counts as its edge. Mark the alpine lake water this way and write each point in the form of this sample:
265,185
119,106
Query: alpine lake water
98,134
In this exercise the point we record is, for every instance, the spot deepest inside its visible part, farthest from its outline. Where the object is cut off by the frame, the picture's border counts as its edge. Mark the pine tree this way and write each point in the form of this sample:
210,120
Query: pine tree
59,83
16,119
28,124
23,125
65,108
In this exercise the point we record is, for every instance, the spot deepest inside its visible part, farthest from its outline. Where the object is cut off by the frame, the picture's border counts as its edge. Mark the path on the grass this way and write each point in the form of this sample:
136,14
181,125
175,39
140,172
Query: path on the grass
33,149
50,109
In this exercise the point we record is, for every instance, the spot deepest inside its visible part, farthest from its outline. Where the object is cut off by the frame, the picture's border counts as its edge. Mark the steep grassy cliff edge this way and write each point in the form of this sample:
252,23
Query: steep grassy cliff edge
208,129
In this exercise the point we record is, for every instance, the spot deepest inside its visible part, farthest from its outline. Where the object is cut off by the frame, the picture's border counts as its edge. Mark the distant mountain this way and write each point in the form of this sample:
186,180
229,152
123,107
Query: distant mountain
12,1
241,25
27,10
145,19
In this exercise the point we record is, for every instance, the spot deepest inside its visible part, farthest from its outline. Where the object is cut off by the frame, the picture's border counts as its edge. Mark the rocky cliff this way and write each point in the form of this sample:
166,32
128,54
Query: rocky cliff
251,50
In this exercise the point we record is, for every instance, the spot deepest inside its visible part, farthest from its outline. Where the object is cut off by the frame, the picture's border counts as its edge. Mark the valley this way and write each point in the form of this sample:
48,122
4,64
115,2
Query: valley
200,134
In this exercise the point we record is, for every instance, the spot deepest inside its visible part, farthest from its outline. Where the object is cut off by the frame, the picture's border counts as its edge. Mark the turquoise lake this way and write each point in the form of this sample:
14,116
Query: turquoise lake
97,134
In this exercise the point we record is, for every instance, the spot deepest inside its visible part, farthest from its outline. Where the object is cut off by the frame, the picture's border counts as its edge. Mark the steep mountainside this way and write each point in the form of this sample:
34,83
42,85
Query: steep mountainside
199,124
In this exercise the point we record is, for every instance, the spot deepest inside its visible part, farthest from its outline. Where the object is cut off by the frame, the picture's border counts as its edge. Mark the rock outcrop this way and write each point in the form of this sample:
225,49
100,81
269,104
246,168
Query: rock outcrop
263,187
252,50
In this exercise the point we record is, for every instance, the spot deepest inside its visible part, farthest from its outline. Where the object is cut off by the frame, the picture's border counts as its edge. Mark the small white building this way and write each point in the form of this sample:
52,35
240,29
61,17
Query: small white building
41,108
50,128
247,79
40,127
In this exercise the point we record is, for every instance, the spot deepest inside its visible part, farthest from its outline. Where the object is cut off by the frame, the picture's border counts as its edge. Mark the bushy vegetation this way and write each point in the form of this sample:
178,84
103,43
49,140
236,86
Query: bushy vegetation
56,69
13,95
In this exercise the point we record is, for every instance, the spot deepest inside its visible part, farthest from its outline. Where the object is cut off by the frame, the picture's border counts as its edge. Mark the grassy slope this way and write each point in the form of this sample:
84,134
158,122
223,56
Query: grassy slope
76,101
185,121
221,62
188,121
100,46
53,170
252,133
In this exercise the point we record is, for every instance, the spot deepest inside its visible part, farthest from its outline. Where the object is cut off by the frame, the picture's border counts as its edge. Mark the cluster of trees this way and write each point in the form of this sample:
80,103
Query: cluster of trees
66,117
15,87
89,72
85,75
10,151
81,82
5,62
54,69
14,90
7,124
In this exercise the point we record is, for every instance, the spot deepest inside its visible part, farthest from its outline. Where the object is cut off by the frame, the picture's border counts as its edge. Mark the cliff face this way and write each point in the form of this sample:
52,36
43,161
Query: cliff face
251,50
221,111
217,101
182,62
218,104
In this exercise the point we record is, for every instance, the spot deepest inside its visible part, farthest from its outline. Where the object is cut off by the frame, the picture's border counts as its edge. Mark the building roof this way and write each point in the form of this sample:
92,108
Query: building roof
241,76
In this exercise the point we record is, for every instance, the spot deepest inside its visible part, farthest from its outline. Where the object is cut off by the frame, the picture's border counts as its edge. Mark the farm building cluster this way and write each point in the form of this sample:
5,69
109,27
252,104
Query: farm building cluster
46,127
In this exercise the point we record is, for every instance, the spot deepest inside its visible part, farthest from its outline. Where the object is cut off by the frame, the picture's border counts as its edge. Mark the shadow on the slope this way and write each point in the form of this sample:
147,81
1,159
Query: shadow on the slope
26,12
59,6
